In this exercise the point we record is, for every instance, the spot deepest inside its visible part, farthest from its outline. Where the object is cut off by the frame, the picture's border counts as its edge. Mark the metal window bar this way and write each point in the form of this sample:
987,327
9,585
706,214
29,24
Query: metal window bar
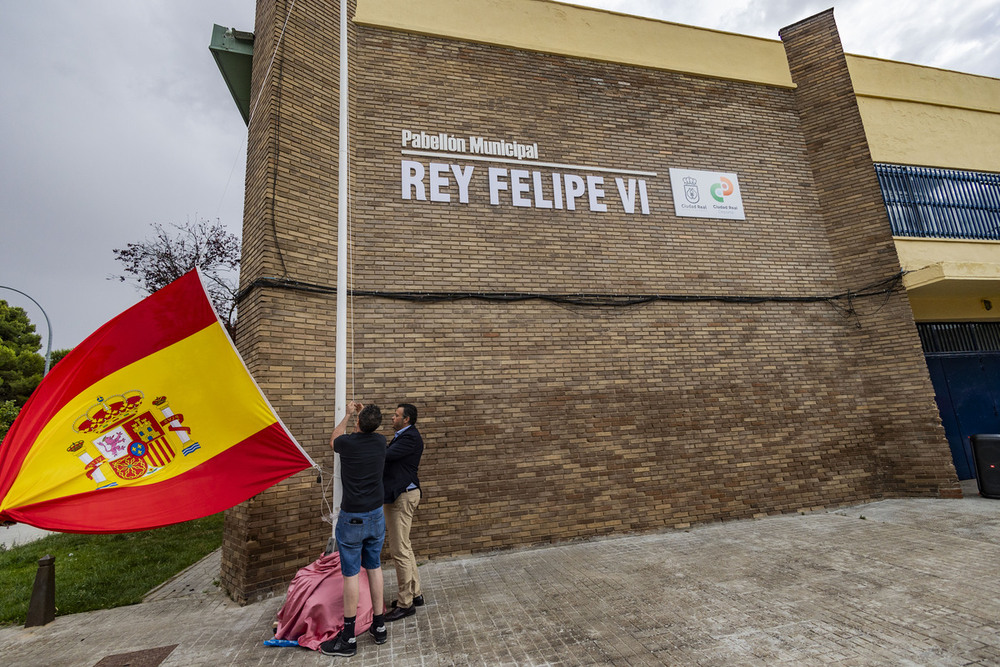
959,337
896,195
941,203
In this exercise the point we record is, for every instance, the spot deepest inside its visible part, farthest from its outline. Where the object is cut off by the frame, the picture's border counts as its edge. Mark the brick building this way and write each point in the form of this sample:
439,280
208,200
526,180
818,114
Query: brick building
635,275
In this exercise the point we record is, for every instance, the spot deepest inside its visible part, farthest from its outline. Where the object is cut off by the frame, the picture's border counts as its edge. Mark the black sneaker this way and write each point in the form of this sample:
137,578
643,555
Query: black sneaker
339,646
379,634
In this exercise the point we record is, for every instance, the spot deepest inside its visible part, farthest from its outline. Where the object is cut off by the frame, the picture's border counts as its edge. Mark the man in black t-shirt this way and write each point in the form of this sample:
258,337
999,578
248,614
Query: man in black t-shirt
360,528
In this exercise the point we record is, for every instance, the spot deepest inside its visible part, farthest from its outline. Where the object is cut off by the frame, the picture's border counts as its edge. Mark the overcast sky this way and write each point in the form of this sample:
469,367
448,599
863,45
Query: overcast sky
116,117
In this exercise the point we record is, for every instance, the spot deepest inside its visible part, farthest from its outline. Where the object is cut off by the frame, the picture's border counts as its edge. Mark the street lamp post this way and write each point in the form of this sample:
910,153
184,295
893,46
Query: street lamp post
48,325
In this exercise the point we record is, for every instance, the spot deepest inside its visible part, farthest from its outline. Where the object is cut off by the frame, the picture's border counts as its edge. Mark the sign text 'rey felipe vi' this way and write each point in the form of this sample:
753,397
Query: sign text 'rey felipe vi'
440,167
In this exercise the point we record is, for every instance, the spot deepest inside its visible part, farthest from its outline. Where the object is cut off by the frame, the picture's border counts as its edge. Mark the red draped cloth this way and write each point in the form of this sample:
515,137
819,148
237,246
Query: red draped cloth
314,607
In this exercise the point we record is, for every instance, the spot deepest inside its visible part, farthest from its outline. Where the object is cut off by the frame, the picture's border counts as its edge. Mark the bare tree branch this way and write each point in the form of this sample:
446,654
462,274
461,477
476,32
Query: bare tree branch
154,263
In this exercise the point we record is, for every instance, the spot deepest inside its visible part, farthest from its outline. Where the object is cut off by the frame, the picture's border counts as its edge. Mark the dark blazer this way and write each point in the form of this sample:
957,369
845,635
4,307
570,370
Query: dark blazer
402,458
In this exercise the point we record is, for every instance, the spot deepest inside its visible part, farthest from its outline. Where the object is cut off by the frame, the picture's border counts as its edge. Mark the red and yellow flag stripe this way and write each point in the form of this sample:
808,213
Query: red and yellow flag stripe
181,429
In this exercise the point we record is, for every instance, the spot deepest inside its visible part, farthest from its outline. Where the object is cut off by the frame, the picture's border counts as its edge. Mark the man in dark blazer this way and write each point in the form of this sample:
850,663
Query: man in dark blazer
402,495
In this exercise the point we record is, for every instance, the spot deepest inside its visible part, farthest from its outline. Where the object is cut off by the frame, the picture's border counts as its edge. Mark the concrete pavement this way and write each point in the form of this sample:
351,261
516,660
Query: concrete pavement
19,533
895,582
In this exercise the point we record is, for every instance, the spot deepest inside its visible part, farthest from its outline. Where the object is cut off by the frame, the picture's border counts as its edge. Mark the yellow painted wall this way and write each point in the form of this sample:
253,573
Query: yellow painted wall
873,77
550,27
901,132
928,117
954,308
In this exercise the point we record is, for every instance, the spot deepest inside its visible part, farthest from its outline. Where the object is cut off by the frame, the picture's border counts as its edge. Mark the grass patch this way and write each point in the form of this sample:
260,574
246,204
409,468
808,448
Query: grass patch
104,571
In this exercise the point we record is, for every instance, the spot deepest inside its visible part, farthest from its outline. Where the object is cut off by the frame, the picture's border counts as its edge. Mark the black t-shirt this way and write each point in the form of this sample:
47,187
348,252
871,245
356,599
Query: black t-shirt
362,457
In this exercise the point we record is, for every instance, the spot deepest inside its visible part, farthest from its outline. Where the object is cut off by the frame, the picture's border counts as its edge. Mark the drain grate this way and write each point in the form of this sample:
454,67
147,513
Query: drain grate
149,658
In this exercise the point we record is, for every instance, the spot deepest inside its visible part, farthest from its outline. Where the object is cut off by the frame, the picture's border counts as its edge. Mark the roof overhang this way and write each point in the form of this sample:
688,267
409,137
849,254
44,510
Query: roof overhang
954,291
233,53
954,279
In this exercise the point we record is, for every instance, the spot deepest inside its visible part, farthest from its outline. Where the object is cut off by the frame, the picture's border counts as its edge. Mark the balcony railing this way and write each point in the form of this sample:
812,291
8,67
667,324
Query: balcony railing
941,203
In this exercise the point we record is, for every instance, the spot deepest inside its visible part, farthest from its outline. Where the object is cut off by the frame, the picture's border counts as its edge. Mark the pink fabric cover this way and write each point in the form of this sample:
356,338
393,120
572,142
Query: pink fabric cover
314,607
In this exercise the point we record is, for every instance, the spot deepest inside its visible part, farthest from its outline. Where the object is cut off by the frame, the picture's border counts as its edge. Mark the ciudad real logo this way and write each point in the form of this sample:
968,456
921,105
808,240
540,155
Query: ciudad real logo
719,191
125,442
722,189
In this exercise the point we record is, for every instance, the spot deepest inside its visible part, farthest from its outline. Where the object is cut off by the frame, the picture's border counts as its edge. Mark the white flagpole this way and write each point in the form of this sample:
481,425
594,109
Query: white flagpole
341,364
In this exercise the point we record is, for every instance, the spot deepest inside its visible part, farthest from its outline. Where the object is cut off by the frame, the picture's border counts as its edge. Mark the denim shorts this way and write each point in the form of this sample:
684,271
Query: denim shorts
359,540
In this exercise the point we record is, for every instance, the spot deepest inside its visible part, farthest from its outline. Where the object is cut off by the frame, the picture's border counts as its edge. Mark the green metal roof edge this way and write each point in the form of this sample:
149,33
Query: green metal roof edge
233,53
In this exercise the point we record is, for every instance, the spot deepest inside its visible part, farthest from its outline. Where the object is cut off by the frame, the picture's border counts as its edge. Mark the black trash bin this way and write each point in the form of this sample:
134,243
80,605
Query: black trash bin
986,456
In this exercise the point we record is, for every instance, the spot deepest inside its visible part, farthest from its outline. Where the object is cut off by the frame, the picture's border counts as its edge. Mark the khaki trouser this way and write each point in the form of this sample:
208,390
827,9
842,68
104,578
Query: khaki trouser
398,517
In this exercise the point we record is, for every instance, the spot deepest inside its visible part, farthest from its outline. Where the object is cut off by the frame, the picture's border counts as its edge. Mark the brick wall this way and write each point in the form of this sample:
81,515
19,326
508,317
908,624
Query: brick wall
907,431
545,421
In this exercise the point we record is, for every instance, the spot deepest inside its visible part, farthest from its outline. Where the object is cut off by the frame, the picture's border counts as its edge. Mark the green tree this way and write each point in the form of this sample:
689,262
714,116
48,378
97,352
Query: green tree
21,367
10,409
8,412
57,356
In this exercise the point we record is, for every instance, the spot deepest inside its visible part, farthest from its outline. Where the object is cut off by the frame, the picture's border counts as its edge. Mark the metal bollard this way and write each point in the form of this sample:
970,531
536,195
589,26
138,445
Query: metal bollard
42,607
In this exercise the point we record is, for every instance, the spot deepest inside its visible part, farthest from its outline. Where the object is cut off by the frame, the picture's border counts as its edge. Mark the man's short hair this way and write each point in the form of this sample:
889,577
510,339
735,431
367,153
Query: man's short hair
409,411
370,418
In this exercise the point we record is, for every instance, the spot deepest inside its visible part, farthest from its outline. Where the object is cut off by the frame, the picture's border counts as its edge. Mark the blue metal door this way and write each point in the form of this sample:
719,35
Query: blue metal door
967,389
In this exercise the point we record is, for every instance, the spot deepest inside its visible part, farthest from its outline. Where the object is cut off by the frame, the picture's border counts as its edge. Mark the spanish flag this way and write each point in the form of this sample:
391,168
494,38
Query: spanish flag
152,420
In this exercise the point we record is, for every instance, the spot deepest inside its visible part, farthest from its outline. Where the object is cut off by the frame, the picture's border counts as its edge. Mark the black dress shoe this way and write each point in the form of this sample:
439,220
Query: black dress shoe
417,602
400,612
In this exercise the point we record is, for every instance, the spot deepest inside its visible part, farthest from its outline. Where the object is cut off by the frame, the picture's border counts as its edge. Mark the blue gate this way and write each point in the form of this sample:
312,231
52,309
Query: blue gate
964,364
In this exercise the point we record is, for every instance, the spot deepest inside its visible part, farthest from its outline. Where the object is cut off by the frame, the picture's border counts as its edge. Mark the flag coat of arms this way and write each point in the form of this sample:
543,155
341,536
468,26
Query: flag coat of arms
153,420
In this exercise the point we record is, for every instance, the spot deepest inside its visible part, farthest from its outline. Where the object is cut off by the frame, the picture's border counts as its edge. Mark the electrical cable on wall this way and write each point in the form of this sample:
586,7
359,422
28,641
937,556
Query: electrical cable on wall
883,288
276,138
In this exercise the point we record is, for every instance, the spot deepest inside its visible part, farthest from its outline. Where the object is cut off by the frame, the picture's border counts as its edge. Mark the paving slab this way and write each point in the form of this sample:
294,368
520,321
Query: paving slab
895,582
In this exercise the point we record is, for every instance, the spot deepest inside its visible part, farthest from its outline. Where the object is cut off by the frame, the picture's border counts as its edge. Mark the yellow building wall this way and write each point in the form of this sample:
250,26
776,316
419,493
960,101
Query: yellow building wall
929,117
955,308
582,32
874,77
915,133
